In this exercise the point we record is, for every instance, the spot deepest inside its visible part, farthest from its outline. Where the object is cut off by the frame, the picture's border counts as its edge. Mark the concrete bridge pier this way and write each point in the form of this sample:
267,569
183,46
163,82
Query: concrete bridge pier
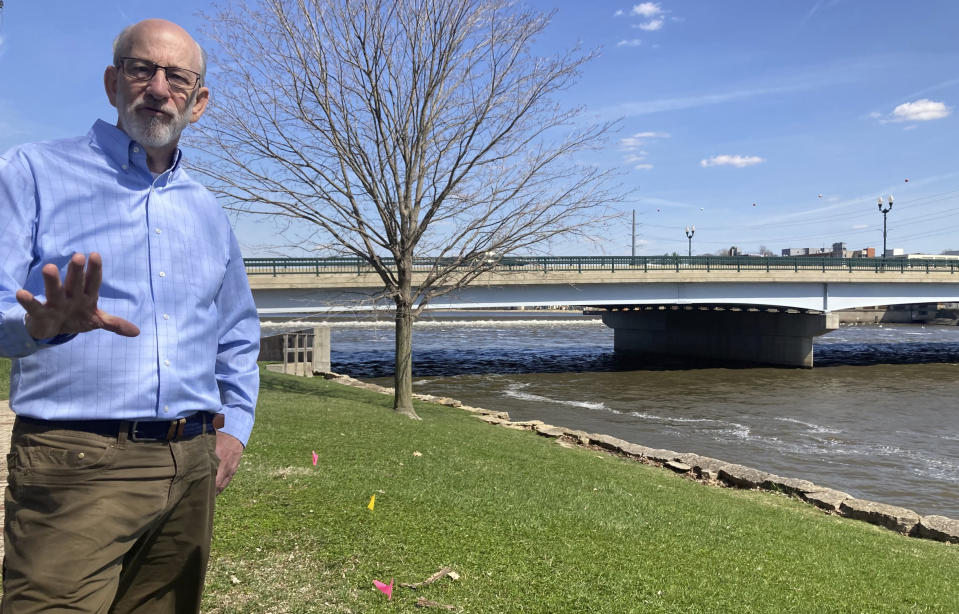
774,338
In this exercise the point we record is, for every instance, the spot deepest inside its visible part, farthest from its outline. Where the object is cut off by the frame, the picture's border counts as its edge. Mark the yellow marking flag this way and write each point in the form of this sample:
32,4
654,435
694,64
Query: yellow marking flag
372,503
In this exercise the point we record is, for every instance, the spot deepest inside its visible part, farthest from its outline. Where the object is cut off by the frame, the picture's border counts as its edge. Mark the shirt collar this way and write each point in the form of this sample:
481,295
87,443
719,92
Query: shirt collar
119,147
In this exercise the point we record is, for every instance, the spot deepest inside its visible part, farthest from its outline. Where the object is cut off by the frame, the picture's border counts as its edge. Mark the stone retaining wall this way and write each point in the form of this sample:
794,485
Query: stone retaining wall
714,471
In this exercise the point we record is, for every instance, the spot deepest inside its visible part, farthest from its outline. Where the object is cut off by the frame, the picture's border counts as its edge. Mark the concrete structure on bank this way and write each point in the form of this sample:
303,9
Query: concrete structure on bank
763,315
301,352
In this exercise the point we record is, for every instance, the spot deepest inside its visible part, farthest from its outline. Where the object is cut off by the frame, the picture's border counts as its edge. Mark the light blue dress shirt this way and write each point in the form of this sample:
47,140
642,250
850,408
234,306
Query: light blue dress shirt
171,265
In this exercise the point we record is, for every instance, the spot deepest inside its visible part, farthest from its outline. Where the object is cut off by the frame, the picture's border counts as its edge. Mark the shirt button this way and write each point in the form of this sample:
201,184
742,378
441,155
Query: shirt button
158,231
166,362
162,274
123,166
166,409
136,150
166,316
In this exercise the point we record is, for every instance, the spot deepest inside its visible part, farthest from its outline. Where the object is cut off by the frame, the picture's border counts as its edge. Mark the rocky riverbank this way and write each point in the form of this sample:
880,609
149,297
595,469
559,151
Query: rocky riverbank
715,472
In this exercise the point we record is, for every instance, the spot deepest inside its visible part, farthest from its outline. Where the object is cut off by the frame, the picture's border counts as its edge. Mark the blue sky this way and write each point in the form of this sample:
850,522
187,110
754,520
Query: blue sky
770,123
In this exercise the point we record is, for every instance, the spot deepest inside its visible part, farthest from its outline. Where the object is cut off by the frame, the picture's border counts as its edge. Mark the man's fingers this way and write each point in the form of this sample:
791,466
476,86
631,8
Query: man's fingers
73,285
94,275
28,301
51,284
118,325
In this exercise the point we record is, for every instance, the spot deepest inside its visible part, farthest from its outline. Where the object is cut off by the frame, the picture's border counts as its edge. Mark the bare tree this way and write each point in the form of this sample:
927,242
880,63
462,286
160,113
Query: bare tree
399,129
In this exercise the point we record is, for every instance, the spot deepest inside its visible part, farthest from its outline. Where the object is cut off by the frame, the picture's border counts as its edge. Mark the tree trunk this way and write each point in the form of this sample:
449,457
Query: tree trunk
403,378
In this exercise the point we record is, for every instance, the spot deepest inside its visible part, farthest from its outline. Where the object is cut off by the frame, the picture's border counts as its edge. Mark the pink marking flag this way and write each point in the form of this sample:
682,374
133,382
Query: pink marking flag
315,458
386,589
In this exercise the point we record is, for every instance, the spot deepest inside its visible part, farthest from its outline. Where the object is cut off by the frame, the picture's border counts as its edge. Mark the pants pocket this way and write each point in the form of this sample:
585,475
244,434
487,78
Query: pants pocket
59,456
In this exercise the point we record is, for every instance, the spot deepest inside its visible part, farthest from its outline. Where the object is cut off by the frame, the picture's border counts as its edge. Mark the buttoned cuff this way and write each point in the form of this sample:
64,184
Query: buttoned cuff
15,341
238,423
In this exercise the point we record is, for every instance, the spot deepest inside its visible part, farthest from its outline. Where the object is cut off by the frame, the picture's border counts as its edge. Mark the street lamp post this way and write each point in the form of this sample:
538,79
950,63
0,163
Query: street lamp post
690,231
884,212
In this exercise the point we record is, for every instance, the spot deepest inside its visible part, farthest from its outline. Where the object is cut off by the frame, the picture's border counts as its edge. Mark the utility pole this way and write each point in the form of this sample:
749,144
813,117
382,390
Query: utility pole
633,254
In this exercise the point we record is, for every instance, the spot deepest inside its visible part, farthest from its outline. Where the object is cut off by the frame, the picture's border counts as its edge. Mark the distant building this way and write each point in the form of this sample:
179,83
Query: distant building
838,251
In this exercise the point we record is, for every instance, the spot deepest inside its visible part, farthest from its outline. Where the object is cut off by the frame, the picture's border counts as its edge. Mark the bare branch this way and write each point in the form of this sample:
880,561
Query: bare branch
402,128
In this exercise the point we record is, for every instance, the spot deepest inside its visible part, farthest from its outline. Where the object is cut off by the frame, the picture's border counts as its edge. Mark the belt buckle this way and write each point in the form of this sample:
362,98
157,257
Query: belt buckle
174,433
133,431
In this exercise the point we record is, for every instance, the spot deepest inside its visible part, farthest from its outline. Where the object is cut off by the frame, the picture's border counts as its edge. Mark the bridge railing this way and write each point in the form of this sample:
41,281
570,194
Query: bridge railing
546,264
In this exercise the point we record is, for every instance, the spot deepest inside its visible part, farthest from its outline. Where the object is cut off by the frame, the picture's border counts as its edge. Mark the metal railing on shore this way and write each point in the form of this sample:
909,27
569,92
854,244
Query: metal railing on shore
546,264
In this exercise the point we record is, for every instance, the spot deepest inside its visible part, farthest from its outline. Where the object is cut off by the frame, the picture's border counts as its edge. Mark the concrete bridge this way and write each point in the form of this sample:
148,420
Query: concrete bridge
763,310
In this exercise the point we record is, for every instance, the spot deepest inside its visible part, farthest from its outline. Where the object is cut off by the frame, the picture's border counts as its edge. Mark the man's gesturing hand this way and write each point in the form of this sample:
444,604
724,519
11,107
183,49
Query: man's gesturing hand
71,307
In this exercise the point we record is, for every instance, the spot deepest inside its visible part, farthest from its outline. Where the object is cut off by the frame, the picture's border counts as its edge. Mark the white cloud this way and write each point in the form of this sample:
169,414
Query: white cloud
650,26
920,111
619,13
634,42
647,9
727,160
632,143
643,167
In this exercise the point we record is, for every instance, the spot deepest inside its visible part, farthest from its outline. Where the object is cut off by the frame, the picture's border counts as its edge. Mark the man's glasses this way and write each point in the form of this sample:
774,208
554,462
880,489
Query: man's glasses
179,79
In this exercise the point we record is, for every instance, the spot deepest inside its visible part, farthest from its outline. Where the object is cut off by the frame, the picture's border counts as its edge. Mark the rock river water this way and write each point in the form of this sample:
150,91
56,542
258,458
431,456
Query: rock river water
877,417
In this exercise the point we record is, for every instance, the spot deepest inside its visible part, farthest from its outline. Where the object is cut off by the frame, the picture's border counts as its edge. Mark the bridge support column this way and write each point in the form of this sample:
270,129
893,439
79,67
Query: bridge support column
751,336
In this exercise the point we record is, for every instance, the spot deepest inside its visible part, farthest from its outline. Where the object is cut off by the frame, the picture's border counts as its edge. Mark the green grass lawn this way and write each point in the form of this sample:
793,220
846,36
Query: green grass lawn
529,525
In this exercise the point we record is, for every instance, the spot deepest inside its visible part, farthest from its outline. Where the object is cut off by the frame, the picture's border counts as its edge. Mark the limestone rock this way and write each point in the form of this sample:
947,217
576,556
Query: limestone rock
530,424
548,430
890,516
492,419
635,450
661,456
614,444
939,528
524,425
701,464
707,474
743,477
580,437
827,498
790,486
678,467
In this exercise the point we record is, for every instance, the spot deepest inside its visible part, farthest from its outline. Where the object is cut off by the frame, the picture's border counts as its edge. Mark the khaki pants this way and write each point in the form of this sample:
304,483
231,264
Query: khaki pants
101,524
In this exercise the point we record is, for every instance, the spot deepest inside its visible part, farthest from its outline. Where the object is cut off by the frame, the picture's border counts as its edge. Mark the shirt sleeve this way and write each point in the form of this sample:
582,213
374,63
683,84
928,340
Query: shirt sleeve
237,374
18,210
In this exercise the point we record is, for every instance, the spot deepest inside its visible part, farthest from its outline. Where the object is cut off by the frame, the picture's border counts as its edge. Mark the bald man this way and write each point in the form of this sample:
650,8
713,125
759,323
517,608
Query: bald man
125,307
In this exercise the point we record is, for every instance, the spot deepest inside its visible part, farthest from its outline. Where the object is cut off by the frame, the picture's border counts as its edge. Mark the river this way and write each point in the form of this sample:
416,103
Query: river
876,417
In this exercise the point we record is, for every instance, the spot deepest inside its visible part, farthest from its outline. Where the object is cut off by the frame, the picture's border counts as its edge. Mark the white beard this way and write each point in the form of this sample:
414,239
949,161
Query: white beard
156,131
